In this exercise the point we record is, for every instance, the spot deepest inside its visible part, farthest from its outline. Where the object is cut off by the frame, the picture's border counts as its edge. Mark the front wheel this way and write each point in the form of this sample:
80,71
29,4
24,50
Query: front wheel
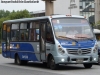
52,64
89,65
99,60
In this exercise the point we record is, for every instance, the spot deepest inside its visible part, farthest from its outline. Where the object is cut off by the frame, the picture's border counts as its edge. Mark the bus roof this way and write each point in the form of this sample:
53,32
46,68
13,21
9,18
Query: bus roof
43,17
96,31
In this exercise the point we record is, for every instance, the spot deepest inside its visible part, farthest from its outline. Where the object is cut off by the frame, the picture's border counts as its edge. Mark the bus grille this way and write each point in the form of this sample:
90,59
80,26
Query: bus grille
77,52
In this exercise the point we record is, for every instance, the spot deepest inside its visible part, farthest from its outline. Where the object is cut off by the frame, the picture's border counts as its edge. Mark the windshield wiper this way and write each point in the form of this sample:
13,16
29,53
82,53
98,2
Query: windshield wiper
68,38
86,38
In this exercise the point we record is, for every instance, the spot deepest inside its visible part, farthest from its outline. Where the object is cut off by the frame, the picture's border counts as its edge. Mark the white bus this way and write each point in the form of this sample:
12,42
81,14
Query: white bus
53,40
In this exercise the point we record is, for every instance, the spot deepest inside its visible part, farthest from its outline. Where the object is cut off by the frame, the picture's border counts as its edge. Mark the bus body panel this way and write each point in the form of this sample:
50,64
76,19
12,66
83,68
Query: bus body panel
26,51
31,50
86,57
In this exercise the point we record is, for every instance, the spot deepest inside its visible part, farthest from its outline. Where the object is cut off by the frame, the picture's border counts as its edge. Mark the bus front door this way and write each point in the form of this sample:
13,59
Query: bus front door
8,41
42,41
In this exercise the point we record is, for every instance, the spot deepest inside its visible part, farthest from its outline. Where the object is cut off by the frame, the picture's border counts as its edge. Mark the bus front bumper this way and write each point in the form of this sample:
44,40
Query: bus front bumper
75,59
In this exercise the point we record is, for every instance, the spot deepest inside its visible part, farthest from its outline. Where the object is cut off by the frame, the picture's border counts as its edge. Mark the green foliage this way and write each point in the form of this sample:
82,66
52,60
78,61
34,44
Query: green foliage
7,15
4,13
19,14
97,25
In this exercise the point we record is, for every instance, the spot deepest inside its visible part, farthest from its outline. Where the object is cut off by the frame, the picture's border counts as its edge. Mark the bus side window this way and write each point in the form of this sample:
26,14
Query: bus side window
37,34
26,35
15,32
15,35
32,34
34,31
24,29
22,36
4,32
49,34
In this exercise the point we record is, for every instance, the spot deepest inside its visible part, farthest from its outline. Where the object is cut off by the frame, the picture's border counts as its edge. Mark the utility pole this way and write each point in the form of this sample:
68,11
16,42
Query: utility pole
49,7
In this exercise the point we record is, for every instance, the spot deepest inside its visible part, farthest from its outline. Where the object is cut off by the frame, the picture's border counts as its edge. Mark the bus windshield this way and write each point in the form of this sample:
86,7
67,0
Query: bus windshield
73,28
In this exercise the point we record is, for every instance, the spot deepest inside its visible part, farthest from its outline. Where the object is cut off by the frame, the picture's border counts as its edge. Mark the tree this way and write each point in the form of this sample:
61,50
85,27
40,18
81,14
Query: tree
7,15
4,13
19,14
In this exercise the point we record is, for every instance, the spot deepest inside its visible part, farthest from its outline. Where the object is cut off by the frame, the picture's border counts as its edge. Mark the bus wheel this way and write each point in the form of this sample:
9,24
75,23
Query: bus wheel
99,60
52,64
89,65
17,60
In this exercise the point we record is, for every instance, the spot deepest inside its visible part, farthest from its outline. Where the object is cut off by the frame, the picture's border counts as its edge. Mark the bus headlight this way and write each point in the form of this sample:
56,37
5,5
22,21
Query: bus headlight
95,49
61,50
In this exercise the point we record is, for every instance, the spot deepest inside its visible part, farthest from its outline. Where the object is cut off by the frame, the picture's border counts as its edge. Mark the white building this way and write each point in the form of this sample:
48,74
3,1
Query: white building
63,7
81,7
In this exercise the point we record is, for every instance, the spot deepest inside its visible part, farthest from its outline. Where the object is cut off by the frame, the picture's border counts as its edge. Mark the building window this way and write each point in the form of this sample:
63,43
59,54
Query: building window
84,5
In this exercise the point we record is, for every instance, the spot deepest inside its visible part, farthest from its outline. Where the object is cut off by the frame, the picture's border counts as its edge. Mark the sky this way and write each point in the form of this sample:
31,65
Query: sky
21,6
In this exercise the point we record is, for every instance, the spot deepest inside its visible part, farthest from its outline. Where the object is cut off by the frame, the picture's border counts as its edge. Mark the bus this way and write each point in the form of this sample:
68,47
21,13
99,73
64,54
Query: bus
46,40
97,34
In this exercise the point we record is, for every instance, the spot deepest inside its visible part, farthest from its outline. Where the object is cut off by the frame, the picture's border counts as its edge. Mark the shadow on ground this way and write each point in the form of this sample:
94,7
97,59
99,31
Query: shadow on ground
61,67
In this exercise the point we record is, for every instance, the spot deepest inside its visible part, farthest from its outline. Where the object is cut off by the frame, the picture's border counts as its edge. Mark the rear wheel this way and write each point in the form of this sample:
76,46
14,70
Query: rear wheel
17,60
52,64
20,62
87,65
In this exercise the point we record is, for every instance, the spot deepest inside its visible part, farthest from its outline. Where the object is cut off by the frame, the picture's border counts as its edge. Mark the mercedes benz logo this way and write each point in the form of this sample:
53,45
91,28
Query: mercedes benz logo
79,51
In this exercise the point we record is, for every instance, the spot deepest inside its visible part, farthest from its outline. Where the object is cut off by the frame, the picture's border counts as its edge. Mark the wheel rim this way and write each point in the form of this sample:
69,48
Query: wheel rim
18,61
52,63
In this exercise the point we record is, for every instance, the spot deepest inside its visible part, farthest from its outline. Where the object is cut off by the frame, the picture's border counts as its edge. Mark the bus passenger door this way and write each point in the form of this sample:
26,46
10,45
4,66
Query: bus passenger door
8,41
42,41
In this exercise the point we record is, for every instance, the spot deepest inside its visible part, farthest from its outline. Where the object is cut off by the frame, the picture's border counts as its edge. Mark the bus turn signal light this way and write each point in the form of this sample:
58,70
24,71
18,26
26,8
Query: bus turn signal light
68,15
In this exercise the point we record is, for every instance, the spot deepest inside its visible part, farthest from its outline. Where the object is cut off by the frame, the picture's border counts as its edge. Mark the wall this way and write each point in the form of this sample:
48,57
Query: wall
61,7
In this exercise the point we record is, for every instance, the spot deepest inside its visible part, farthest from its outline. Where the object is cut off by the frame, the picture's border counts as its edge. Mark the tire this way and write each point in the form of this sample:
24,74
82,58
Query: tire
20,62
89,65
99,60
17,60
52,64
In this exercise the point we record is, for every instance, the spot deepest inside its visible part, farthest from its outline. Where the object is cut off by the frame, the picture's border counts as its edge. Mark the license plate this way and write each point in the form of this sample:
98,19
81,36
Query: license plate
79,60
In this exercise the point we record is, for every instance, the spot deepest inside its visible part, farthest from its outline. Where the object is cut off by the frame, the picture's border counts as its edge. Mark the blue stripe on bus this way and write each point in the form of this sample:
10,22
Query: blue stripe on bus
24,50
81,44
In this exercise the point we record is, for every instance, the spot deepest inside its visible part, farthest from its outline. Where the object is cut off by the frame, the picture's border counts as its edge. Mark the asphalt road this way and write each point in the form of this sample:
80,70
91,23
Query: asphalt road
7,67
